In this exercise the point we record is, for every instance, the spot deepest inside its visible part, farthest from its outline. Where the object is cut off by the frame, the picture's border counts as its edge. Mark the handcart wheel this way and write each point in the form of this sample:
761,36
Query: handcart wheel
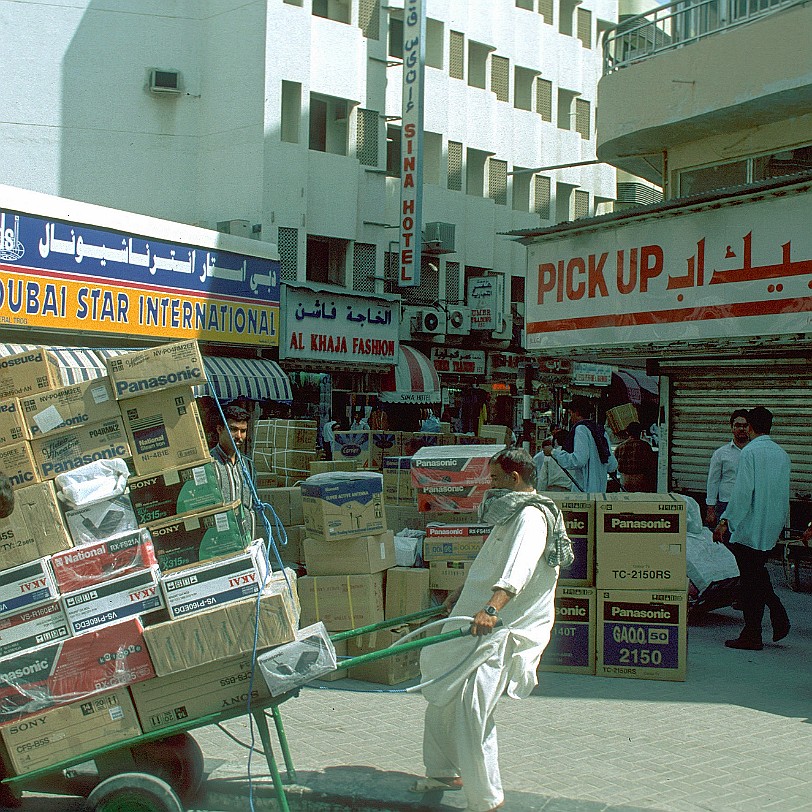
134,792
176,759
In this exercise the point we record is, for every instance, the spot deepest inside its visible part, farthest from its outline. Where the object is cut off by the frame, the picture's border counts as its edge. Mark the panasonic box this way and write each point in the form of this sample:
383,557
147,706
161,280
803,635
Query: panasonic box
28,372
12,426
572,642
578,510
17,463
148,371
33,627
458,542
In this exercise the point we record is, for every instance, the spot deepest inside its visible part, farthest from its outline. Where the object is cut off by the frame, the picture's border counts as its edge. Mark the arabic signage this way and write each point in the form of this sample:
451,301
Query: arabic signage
327,326
553,366
727,271
70,276
485,301
505,363
457,361
591,374
411,143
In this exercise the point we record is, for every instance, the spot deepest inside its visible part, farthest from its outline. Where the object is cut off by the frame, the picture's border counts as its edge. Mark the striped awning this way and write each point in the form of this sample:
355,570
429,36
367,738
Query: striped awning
413,380
636,382
75,363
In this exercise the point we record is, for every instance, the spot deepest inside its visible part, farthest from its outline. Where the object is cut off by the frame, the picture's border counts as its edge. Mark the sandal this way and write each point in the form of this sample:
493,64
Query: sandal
429,784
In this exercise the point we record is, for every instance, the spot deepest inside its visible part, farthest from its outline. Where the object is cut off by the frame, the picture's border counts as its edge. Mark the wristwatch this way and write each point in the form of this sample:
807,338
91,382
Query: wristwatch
489,610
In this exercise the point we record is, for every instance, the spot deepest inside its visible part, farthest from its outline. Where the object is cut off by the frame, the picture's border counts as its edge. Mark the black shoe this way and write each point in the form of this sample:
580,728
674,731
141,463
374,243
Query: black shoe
744,643
780,630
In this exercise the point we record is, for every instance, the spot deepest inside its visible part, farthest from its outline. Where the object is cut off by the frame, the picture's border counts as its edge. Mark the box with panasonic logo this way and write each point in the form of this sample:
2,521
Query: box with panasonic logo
578,510
342,504
215,583
63,409
571,649
28,372
33,627
73,669
17,463
640,541
113,600
642,634
460,542
72,449
148,371
12,426
26,586
98,562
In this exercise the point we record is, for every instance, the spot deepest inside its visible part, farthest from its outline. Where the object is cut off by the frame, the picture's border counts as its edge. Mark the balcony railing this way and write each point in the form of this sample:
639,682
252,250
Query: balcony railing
679,23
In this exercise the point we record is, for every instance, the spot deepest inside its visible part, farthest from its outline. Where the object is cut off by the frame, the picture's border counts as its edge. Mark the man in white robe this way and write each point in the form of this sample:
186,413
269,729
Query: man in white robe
509,592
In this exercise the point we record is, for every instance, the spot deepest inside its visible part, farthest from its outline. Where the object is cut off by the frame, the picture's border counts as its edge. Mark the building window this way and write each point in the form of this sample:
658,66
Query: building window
563,202
369,18
391,271
456,55
455,166
435,38
478,64
521,189
706,179
328,124
287,243
452,282
337,10
580,204
432,158
475,172
429,279
393,135
582,118
566,108
544,99
566,12
326,260
523,88
541,196
546,11
584,26
527,5
291,113
497,181
366,128
363,267
500,81
786,162
395,36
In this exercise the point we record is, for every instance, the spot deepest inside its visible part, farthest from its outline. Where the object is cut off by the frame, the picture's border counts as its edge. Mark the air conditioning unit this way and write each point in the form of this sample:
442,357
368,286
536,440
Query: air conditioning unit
506,333
438,238
459,320
239,228
422,322
164,81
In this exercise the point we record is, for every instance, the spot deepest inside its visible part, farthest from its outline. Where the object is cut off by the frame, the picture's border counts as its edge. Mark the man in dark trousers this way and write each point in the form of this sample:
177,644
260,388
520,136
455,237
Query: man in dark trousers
636,461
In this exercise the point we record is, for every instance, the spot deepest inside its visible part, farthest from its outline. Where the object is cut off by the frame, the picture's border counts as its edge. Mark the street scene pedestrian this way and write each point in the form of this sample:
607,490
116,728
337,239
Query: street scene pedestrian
550,476
723,466
636,461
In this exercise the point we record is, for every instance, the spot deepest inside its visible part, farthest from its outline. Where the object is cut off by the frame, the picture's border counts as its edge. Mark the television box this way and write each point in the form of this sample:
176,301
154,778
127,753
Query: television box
286,503
578,510
448,575
354,446
572,644
175,492
453,465
59,410
146,372
34,529
343,505
185,540
100,561
73,669
12,425
81,445
26,586
640,541
388,670
98,521
342,602
407,591
17,463
642,634
364,554
68,731
450,498
33,627
29,372
164,430
397,481
459,542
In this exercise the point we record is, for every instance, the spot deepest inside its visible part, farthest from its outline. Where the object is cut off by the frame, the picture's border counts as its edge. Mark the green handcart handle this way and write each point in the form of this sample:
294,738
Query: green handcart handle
386,624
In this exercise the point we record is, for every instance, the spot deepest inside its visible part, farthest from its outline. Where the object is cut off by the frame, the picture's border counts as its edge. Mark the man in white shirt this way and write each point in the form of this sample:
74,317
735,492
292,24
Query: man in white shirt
550,476
723,466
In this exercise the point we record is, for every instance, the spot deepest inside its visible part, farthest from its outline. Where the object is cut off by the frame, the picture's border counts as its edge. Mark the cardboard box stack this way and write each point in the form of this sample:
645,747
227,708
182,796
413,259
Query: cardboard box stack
287,505
283,451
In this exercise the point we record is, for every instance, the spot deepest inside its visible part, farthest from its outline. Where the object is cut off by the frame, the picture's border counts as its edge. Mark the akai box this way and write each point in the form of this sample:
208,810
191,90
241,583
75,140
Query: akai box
459,542
101,520
164,430
165,367
397,481
26,586
28,372
33,627
184,540
578,510
75,668
366,554
63,409
343,505
34,529
17,463
640,541
12,426
342,602
70,730
572,644
642,634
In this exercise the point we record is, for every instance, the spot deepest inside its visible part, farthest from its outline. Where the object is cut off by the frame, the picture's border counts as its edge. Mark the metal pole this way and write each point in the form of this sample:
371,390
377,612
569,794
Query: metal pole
387,624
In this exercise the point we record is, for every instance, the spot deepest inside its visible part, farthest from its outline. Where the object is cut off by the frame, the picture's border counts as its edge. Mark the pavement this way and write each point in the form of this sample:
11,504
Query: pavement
734,737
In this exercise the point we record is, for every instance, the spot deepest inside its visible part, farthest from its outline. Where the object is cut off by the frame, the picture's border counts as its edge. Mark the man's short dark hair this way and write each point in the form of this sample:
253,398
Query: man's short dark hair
634,429
235,413
518,460
737,414
580,404
6,497
760,420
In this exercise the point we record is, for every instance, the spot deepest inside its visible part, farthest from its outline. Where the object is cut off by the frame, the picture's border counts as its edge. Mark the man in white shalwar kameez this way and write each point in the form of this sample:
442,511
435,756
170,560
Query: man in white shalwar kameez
513,581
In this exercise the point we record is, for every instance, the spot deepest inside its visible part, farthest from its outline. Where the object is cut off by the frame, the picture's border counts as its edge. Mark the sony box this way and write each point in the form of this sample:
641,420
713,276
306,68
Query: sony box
63,409
28,372
578,510
342,602
26,586
33,627
34,529
164,430
388,670
460,542
642,634
17,463
571,648
343,505
397,481
640,541
101,520
365,554
407,591
63,733
12,426
448,575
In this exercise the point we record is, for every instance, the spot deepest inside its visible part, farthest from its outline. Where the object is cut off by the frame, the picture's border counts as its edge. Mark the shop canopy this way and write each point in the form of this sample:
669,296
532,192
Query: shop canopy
413,380
636,383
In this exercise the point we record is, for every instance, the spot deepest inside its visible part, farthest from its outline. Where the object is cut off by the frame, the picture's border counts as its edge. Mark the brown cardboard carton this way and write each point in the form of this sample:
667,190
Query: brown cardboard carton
286,503
407,591
281,434
354,446
341,602
388,670
456,542
343,505
578,510
293,551
448,575
28,372
17,463
12,425
571,648
326,466
398,488
366,554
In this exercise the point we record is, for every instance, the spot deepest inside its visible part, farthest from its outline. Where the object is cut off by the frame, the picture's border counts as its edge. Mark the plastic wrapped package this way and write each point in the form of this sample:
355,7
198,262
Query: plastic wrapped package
292,665
92,482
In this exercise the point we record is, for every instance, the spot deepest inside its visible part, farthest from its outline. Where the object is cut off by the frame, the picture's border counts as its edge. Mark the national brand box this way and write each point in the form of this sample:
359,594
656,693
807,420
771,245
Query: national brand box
448,575
407,591
17,463
91,564
75,668
175,492
214,583
165,367
101,520
12,426
34,529
343,505
33,627
365,554
460,542
184,540
355,446
640,541
572,643
397,481
342,602
26,586
164,430
578,510
63,409
79,446
642,634
28,372
70,730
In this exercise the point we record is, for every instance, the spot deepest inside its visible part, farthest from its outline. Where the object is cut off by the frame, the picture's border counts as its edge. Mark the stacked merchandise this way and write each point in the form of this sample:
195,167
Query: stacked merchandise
283,451
370,449
287,507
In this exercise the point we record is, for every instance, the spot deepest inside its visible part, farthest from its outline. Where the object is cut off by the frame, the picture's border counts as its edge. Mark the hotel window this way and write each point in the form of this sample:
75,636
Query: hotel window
455,166
497,181
584,27
456,55
366,131
541,196
500,73
544,99
582,118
